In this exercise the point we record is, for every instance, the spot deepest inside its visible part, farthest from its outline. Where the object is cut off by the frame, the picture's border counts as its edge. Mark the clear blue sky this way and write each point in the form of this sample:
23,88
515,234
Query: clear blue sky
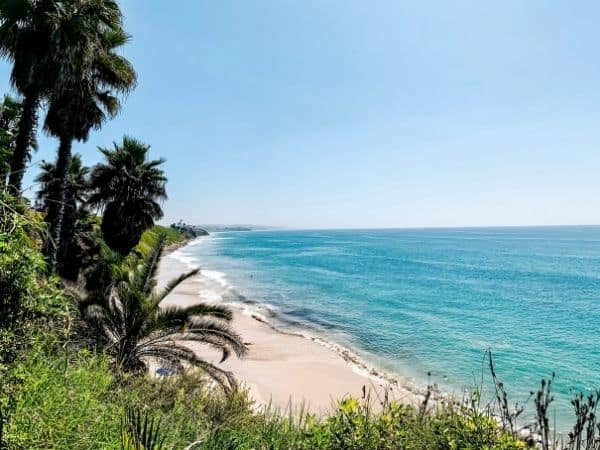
367,114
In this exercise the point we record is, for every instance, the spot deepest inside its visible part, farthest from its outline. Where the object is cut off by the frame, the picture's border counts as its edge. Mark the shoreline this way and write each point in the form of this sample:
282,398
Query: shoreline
287,369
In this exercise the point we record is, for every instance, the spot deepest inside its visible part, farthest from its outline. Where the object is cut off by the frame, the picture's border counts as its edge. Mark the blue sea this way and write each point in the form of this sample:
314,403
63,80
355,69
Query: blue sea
419,301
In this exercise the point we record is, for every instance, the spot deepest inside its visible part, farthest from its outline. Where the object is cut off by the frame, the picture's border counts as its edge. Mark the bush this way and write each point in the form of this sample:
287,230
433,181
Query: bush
69,399
64,401
27,296
354,426
20,261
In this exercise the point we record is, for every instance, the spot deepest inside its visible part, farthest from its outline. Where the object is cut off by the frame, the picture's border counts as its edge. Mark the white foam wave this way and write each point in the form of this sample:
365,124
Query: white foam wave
196,241
262,311
210,295
216,276
189,261
364,372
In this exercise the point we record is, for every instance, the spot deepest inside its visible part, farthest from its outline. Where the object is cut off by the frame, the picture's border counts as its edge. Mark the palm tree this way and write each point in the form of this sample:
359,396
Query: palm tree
77,184
136,329
128,187
75,222
92,77
10,114
26,27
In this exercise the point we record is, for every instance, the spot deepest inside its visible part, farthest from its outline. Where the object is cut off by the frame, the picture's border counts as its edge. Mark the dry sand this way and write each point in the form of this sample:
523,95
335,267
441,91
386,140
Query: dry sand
288,369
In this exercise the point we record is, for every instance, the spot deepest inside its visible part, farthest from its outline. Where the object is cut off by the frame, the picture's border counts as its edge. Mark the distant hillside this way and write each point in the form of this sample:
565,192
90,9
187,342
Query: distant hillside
205,229
217,228
189,231
235,227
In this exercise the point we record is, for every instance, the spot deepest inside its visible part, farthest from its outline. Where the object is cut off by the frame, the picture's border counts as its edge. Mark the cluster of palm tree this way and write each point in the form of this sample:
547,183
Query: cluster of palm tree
66,65
77,227
64,55
127,187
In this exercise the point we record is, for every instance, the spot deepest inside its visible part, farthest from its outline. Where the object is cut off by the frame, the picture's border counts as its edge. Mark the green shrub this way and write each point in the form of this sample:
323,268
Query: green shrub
354,426
64,401
20,261
173,236
69,399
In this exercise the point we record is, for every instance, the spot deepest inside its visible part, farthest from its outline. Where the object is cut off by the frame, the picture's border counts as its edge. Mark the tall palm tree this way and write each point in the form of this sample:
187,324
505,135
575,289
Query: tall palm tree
136,329
10,114
26,27
75,214
92,77
129,188
77,184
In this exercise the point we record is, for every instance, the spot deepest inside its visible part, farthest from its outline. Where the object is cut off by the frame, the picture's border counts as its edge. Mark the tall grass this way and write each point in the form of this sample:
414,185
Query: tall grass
70,400
64,401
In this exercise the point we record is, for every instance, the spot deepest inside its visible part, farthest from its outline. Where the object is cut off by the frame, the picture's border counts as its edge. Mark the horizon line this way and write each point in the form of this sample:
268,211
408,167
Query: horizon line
256,227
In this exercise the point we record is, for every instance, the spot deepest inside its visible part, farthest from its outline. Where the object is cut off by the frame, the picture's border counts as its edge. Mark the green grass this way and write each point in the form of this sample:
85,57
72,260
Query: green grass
64,402
173,236
70,399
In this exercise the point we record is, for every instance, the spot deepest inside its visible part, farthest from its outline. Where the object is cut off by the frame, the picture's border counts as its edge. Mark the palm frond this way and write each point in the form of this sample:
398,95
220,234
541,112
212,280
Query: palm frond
170,353
207,329
145,275
173,320
104,323
178,319
206,309
171,285
140,431
214,340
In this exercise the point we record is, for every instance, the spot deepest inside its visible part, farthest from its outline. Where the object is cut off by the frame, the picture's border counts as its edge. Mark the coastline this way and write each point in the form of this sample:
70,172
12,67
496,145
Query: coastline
287,369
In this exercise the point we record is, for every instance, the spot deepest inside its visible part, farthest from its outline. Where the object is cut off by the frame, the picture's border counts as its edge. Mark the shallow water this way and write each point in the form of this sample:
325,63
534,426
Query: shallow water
419,301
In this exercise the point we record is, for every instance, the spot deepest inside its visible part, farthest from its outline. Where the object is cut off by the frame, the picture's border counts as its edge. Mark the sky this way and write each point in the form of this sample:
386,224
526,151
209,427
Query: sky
342,114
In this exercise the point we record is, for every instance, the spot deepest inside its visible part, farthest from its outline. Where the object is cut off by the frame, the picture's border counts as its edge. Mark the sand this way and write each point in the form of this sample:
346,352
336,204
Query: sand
284,369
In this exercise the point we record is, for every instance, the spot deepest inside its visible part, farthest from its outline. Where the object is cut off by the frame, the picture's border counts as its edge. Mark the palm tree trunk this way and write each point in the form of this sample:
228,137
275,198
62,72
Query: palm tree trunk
62,164
27,124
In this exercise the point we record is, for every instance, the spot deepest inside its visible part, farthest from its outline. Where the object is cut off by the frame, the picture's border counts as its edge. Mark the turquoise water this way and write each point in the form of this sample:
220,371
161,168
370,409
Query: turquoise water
418,301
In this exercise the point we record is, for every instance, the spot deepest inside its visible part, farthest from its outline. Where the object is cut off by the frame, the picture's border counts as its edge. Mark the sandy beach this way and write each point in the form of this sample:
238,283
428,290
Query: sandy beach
287,369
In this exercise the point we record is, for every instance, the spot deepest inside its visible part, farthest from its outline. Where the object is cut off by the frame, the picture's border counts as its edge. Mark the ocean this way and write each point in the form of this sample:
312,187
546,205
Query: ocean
415,302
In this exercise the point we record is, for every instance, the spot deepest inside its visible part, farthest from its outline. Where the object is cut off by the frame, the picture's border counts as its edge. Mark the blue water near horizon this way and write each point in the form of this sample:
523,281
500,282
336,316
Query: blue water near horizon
415,301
